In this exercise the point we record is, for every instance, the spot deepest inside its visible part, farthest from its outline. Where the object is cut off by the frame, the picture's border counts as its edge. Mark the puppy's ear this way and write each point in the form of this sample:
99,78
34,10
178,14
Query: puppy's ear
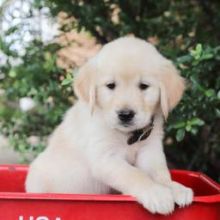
172,86
84,83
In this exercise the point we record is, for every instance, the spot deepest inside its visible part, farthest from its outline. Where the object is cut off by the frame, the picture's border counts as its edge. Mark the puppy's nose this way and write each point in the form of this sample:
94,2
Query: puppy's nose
126,115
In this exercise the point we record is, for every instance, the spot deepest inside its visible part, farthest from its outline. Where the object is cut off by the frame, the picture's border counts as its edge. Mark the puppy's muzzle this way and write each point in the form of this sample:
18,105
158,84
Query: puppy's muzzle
126,116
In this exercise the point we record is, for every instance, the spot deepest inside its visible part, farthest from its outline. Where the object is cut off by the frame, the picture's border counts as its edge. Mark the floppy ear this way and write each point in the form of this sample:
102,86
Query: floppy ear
84,83
172,86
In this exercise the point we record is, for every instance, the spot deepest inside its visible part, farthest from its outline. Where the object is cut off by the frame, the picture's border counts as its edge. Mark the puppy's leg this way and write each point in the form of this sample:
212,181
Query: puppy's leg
152,160
183,196
120,175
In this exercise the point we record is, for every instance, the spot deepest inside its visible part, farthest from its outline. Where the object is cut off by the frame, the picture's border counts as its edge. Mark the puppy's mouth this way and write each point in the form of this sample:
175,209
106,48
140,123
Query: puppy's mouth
126,124
130,127
126,127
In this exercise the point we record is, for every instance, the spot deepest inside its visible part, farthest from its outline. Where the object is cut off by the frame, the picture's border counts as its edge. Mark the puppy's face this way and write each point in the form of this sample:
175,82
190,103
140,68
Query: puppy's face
127,82
127,98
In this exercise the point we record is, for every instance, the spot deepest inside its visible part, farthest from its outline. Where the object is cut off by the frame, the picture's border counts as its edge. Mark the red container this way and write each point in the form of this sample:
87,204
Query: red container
15,204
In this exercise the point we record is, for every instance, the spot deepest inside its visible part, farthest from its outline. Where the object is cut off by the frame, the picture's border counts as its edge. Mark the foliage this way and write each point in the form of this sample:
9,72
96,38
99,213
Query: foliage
195,123
39,78
185,31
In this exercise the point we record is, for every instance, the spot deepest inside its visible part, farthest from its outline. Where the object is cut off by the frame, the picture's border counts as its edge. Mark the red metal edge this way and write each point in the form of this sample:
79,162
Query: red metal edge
208,180
202,176
58,196
103,197
12,167
68,197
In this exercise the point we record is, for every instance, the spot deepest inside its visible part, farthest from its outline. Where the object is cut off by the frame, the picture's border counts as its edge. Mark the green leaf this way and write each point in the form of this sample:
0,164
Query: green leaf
218,94
210,92
199,48
12,73
180,124
180,134
207,56
196,83
66,82
197,121
194,131
11,30
188,127
184,59
69,76
197,52
217,111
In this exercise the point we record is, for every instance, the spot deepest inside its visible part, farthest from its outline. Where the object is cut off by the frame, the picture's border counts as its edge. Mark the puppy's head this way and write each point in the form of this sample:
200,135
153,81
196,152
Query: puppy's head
127,82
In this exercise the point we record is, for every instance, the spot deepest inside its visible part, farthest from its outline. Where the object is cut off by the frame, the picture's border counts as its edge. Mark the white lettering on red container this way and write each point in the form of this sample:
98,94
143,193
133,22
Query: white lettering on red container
38,218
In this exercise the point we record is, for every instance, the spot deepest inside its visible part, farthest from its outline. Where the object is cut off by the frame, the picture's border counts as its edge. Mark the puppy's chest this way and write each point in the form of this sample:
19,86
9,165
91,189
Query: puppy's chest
132,153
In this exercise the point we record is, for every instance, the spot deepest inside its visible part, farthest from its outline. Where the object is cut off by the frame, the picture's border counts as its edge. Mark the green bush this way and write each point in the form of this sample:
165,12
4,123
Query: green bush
37,77
185,31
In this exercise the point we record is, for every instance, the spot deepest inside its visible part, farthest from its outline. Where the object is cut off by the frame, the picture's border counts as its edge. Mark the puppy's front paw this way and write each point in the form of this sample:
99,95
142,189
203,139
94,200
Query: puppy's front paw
158,199
183,196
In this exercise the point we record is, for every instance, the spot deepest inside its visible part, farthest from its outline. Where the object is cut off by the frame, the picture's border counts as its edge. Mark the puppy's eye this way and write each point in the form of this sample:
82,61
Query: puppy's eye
143,86
111,86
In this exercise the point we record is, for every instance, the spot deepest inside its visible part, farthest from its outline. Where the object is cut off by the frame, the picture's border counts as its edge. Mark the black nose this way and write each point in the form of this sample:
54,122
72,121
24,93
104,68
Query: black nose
126,115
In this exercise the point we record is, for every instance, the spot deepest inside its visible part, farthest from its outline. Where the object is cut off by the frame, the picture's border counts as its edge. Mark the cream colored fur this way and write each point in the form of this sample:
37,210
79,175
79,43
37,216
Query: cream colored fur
88,151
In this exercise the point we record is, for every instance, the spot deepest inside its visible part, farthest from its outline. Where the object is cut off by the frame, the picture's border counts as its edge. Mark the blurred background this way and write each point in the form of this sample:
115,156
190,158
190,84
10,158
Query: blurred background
42,43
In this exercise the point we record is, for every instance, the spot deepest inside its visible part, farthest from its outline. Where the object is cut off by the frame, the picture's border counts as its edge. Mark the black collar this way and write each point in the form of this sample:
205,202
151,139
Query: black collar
140,134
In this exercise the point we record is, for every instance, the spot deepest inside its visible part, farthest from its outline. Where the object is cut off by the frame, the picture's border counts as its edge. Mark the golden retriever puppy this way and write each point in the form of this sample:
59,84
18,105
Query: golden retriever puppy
112,137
